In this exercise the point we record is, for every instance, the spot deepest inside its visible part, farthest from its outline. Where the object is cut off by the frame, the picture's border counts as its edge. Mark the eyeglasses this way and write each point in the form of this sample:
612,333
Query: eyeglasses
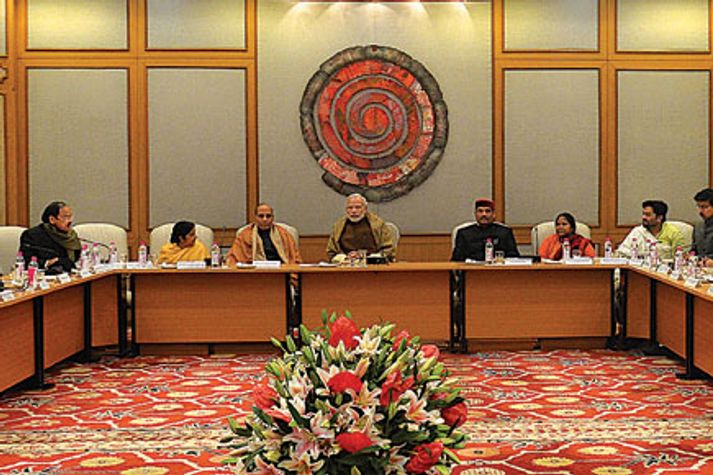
264,215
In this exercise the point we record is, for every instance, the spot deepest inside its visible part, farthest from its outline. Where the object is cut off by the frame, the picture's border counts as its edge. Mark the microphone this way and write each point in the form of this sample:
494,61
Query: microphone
98,243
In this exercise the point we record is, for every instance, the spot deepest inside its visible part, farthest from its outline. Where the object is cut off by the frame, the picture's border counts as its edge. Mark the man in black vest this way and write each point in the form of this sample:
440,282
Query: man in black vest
471,240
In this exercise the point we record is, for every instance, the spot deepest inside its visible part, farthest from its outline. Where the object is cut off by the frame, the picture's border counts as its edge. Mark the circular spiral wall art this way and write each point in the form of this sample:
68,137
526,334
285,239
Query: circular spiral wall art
375,120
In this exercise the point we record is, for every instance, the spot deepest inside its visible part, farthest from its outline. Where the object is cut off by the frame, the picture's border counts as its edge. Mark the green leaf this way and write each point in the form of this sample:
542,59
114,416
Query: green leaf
442,469
301,421
305,334
325,316
290,344
451,455
355,471
263,417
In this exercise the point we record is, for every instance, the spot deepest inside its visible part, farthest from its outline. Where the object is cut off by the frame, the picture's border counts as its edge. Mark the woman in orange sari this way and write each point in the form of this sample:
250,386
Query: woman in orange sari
565,228
183,246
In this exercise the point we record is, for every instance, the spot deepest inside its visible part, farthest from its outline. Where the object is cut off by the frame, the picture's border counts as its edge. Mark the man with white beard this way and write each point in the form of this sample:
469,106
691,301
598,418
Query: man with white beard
359,229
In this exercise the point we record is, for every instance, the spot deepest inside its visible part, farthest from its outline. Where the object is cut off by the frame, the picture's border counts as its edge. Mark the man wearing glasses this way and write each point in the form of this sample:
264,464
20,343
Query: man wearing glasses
263,240
54,242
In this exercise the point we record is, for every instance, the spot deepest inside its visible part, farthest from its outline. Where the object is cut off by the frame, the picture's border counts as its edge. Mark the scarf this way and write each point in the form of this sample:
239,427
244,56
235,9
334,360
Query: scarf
69,240
259,250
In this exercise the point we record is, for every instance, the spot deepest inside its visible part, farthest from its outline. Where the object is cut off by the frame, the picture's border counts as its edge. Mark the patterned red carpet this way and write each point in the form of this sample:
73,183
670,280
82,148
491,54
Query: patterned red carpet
558,412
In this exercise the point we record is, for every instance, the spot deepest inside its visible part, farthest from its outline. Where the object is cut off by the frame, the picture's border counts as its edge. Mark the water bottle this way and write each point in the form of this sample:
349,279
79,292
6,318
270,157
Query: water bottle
85,264
634,248
96,255
678,259
489,251
113,255
608,248
566,250
215,255
653,255
142,254
32,273
18,273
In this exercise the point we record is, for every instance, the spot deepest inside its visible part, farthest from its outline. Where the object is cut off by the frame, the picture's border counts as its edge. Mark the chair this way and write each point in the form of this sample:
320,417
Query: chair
9,245
545,229
454,233
290,229
104,234
687,232
161,235
395,232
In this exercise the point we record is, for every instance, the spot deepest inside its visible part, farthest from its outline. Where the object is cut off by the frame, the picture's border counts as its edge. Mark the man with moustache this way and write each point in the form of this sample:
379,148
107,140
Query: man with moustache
471,240
703,231
359,229
653,228
53,242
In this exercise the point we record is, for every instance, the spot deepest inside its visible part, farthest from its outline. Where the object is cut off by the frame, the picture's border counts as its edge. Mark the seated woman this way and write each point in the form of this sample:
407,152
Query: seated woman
565,227
183,246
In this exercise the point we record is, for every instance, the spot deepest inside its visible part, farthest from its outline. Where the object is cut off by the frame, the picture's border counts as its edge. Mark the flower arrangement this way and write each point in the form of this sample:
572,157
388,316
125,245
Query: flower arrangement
351,401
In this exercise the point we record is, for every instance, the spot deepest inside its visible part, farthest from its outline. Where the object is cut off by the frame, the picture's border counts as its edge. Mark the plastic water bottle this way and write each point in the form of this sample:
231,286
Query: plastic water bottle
634,248
608,248
653,255
489,251
32,273
678,259
143,256
566,250
18,273
113,256
84,259
96,256
215,255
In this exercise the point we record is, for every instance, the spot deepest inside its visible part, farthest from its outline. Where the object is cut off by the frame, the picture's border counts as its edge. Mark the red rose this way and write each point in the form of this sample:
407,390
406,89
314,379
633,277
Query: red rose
344,329
430,350
456,415
425,457
394,386
353,442
264,396
344,380
403,335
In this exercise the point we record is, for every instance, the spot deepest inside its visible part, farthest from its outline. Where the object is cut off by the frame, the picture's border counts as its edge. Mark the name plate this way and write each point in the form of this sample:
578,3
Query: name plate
64,278
579,261
190,265
84,274
663,269
7,295
675,275
636,262
99,268
518,261
138,265
267,264
44,285
616,261
692,282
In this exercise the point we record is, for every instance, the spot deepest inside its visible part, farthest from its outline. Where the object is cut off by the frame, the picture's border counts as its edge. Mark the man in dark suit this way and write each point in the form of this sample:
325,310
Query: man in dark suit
471,240
54,242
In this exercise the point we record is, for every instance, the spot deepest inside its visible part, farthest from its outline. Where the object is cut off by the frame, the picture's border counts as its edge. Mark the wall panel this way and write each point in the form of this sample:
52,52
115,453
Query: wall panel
663,140
551,145
77,24
3,158
78,142
551,25
662,25
456,51
191,24
197,146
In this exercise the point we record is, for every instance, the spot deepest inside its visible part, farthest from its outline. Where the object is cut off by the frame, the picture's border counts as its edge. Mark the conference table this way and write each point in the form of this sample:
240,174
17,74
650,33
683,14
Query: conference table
457,305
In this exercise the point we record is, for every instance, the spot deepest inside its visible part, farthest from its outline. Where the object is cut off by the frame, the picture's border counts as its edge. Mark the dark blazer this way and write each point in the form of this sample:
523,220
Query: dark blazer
37,242
470,242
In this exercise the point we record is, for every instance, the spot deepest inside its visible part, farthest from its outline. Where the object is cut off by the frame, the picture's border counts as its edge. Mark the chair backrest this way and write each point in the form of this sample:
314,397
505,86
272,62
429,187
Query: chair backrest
395,232
104,234
9,245
542,231
455,230
687,232
161,235
290,229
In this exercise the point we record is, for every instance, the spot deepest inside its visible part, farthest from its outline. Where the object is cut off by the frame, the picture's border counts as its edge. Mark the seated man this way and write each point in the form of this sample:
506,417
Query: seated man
54,242
471,240
653,228
184,246
359,229
263,240
703,232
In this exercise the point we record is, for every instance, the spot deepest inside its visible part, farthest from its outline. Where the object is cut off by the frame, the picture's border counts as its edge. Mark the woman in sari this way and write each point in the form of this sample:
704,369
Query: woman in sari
183,246
565,228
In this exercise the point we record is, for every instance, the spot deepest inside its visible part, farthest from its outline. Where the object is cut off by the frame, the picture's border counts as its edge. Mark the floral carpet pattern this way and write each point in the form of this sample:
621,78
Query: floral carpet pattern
557,412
